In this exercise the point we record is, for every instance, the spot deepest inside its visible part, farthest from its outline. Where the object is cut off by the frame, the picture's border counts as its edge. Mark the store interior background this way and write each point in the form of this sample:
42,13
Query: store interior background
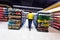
24,33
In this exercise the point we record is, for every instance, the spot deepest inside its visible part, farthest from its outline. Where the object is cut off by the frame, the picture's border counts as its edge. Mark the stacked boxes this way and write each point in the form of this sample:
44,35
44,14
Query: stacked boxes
3,14
43,20
56,20
15,19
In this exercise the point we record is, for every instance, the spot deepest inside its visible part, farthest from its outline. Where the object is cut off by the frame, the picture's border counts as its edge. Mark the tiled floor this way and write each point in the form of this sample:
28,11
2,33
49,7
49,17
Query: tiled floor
25,34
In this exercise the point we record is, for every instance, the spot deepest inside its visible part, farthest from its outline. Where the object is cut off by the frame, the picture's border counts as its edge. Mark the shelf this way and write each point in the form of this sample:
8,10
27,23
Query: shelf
14,16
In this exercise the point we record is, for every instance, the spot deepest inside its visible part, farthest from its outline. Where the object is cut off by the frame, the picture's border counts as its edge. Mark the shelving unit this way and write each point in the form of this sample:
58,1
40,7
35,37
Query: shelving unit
55,10
15,20
3,13
55,17
56,20
43,21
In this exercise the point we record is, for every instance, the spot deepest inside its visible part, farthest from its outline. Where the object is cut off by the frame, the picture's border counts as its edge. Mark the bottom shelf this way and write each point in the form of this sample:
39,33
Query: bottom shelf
53,30
55,27
12,27
5,20
42,29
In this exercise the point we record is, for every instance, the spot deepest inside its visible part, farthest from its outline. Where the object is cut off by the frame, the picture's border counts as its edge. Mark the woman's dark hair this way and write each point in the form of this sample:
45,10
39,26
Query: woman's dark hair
30,11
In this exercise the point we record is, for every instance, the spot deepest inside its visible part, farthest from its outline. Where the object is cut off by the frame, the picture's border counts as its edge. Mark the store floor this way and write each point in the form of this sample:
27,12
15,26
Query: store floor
25,34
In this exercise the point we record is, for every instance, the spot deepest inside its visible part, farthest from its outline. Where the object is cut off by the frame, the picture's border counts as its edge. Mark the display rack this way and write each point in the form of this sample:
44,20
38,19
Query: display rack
55,17
56,20
3,13
43,21
15,20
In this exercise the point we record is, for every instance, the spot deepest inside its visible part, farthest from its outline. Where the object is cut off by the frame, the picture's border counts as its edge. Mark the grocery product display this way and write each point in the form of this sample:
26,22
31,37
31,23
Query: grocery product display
3,14
15,18
43,21
56,20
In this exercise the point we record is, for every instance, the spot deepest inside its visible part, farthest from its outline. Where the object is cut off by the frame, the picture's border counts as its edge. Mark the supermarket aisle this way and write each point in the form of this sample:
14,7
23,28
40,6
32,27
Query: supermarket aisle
25,26
25,34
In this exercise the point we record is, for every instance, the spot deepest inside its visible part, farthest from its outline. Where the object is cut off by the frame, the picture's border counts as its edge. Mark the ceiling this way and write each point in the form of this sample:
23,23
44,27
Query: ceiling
32,3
